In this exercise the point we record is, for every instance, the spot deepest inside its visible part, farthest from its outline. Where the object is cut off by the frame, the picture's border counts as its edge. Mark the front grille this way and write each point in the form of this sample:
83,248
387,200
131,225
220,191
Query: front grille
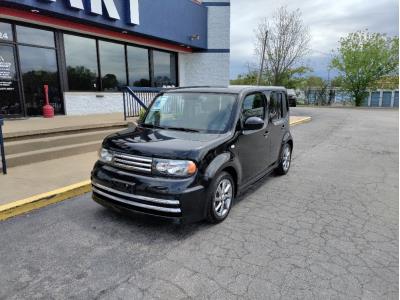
137,202
132,162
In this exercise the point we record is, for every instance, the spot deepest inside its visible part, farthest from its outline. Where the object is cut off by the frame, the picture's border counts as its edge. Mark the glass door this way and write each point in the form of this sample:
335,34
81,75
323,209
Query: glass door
10,100
38,65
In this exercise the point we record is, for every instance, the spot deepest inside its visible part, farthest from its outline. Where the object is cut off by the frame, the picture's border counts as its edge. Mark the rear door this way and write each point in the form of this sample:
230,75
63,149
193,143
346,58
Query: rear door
278,122
253,145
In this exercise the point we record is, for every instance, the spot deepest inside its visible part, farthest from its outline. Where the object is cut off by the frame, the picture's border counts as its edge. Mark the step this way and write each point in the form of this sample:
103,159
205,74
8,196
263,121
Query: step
30,157
42,143
51,132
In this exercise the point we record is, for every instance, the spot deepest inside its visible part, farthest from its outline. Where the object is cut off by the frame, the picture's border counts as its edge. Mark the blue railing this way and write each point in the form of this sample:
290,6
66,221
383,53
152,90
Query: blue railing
137,98
3,154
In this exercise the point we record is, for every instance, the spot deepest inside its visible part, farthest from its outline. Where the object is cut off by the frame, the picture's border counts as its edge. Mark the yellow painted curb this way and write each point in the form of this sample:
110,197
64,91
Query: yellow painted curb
26,205
300,121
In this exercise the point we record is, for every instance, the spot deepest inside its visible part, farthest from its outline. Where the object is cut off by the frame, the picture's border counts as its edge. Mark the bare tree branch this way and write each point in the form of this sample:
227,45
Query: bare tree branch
288,42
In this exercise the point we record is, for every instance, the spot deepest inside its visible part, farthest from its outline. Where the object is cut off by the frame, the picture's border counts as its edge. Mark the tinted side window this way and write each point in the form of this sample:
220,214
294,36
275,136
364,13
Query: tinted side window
275,106
284,105
254,106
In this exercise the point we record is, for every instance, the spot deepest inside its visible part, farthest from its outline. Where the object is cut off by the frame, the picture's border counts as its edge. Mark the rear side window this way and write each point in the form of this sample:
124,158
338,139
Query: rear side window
285,106
275,106
254,106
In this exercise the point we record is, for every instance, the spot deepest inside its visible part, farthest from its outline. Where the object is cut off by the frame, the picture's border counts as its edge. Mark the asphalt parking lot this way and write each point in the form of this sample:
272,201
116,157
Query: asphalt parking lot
328,230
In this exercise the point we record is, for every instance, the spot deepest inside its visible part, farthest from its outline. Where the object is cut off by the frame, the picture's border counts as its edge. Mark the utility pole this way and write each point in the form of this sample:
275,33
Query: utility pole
263,58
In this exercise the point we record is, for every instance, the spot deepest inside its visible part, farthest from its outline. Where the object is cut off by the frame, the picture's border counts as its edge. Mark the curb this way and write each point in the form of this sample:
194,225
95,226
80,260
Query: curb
301,121
38,201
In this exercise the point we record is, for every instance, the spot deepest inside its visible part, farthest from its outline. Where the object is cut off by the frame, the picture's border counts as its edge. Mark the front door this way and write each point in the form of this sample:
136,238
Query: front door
10,100
253,145
38,65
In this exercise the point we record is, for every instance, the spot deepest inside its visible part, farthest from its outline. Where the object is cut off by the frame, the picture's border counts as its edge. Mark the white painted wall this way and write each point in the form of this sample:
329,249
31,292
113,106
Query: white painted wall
204,69
208,68
81,103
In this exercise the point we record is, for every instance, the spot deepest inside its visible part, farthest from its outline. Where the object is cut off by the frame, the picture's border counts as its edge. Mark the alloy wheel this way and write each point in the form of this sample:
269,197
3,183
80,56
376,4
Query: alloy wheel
286,158
223,198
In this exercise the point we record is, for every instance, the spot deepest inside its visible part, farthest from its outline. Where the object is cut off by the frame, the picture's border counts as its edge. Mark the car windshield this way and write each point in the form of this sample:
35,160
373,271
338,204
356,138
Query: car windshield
193,112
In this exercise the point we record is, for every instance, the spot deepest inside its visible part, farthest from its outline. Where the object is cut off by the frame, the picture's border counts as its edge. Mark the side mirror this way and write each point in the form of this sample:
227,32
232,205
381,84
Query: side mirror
253,123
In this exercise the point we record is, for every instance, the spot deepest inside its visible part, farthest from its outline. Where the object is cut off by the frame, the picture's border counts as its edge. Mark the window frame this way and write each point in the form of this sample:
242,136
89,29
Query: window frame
126,45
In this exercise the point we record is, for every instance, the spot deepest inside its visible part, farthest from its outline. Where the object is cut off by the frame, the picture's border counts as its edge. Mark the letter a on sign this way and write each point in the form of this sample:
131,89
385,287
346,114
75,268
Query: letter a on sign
96,8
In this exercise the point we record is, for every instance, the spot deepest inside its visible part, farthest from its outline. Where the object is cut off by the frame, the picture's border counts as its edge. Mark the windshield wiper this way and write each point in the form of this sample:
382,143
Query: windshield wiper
182,129
152,126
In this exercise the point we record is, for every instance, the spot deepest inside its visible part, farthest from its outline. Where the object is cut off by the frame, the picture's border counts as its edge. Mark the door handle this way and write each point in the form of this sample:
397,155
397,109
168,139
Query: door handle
283,126
266,133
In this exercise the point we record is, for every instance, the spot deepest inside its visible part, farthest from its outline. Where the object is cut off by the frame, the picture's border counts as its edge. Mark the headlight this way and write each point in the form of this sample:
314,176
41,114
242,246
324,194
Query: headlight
178,168
105,155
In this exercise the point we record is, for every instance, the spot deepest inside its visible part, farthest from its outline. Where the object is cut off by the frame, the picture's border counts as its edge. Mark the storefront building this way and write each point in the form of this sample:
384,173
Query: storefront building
86,51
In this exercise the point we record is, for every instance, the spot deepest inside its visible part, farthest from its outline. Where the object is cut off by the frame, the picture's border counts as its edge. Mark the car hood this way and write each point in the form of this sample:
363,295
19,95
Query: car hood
164,143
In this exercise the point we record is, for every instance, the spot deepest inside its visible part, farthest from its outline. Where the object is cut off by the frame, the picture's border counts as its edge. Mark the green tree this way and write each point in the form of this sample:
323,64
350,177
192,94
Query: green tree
291,78
246,79
363,58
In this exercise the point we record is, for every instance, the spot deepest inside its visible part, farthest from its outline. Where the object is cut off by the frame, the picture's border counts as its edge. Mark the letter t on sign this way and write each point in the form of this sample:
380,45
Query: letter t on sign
134,12
74,3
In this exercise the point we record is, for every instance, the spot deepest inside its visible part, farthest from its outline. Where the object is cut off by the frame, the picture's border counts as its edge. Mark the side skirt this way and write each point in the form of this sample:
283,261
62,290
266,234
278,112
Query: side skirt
243,188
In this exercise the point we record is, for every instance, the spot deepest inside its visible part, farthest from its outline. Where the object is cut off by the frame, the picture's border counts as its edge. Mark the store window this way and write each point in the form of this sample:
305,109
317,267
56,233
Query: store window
138,66
6,34
82,66
112,66
164,69
39,68
37,37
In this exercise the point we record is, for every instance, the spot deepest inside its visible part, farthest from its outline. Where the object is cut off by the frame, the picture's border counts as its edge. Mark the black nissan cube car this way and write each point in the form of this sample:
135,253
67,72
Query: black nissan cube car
194,151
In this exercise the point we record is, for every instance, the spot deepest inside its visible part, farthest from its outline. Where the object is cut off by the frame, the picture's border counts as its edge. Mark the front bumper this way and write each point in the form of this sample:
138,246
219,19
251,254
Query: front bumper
164,197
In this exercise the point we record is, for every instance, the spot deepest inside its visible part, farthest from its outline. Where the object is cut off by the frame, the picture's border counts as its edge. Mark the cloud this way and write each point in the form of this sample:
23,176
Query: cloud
328,21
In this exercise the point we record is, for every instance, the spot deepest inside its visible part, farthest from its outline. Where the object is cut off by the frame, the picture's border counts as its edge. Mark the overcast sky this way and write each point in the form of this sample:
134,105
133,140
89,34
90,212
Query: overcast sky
328,20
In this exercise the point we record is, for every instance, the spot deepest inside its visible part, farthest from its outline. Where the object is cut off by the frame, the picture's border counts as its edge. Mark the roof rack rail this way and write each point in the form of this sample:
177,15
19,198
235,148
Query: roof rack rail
195,86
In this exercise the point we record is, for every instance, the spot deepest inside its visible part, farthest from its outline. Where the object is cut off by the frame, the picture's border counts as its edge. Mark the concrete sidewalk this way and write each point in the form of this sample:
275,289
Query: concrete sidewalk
25,181
29,180
33,126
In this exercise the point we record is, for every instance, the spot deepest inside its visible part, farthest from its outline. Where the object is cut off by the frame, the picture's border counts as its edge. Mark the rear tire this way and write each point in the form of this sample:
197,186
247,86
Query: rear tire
220,199
285,160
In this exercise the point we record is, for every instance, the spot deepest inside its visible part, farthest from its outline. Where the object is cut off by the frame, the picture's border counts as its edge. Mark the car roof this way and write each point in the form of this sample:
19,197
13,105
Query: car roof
233,89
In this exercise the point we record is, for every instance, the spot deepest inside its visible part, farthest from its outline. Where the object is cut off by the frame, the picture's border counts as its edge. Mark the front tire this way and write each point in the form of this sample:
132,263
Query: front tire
285,160
222,193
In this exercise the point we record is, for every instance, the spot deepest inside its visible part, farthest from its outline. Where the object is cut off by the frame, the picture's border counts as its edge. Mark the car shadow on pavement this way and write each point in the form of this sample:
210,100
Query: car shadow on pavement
153,225
253,188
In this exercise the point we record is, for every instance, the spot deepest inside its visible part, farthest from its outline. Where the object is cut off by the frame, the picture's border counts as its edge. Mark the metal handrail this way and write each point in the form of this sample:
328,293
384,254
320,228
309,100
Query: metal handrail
138,98
3,154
